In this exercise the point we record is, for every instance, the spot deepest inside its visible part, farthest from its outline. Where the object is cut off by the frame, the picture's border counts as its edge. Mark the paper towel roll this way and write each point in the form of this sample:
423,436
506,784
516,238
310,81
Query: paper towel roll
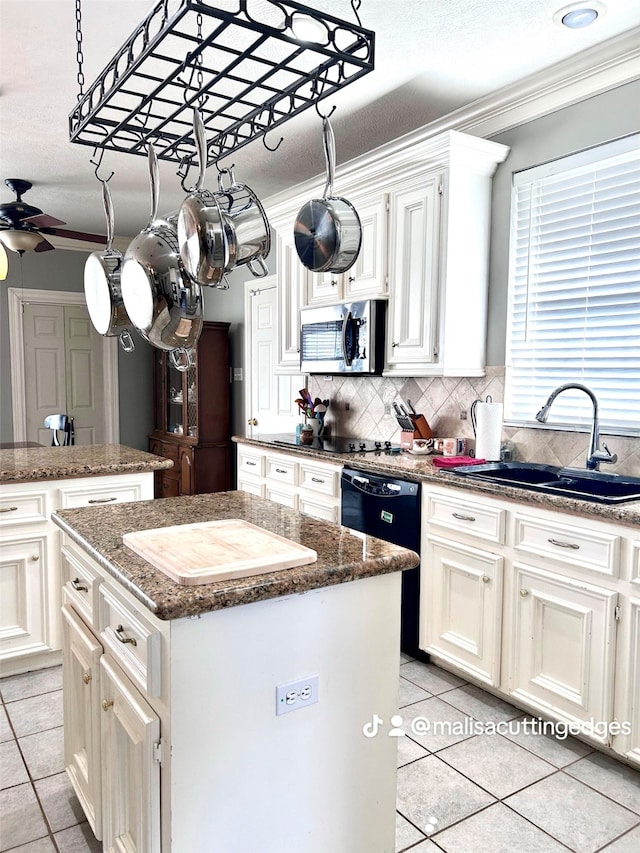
488,431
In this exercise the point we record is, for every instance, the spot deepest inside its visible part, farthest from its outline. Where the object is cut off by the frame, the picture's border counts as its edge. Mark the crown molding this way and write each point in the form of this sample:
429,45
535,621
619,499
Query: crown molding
590,72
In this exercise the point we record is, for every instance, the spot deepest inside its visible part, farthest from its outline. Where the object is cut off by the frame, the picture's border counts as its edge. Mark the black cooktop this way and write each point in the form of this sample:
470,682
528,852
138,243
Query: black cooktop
333,444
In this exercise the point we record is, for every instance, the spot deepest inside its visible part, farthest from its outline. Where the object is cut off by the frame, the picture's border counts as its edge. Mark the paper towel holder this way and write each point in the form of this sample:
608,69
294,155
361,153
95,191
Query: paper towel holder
474,420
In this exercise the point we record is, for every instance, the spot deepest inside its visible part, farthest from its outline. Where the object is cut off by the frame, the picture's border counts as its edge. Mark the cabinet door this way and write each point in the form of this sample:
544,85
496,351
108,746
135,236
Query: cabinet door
25,593
291,283
185,465
324,288
81,701
130,771
628,690
563,646
414,269
460,607
368,277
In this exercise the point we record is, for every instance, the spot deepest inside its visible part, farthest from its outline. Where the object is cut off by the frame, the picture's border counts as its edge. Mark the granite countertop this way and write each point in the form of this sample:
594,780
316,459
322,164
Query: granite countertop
422,469
342,556
28,464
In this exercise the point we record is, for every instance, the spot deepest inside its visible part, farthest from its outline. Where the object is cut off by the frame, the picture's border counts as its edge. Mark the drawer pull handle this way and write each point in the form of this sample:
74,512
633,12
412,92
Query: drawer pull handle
252,464
524,593
463,517
317,480
281,470
485,578
122,639
8,509
76,584
86,677
101,500
560,544
106,704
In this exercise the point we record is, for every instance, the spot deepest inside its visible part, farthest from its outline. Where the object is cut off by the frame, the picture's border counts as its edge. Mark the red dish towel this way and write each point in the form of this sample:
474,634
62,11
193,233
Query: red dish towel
454,461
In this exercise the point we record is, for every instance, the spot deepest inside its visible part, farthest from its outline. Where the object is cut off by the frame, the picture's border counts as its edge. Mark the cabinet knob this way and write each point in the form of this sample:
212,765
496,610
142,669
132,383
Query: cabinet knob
352,278
106,704
86,677
35,557
394,344
524,592
334,282
253,422
485,578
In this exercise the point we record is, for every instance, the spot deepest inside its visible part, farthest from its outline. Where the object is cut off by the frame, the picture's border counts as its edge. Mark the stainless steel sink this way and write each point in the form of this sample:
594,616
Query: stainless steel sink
570,482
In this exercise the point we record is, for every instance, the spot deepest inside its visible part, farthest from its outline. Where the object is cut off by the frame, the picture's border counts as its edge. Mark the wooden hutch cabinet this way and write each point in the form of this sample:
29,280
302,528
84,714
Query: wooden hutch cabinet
192,418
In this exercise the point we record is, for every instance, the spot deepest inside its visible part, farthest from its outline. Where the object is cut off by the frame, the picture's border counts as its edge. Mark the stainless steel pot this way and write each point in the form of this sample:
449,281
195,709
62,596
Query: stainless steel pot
102,286
245,214
327,231
206,239
163,302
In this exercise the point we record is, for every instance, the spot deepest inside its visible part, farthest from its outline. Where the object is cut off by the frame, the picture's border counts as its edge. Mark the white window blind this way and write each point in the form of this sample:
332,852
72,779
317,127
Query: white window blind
574,289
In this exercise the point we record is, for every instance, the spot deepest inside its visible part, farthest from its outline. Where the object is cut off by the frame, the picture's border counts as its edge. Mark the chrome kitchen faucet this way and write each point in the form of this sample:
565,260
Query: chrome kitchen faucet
595,455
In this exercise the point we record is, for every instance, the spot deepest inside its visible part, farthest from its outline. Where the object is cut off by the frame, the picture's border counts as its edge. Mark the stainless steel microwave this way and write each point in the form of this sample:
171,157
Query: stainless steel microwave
343,338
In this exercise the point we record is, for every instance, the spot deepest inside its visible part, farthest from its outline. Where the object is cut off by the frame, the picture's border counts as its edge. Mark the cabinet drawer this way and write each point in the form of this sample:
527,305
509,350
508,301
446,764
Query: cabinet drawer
320,480
569,544
253,487
132,639
326,510
22,508
474,518
250,462
281,470
282,496
92,495
81,582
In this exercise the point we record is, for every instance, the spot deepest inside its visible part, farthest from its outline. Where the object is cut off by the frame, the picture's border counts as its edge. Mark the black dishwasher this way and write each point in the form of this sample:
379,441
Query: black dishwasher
388,509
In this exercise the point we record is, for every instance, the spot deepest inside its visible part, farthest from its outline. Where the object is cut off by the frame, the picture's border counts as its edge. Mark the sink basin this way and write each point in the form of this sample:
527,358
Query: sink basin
570,482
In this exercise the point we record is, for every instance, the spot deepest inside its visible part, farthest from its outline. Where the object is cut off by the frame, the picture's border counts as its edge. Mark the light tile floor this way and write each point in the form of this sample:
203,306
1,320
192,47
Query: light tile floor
458,790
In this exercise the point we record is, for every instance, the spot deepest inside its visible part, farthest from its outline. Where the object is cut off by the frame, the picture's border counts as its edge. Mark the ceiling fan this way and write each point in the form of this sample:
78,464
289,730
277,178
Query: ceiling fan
22,227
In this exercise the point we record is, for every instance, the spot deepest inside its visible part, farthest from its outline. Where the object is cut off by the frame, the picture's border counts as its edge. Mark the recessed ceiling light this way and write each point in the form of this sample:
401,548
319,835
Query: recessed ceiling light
575,16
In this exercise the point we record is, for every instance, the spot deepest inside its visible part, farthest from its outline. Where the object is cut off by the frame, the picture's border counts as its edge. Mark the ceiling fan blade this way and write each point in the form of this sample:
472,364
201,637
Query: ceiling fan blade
44,246
77,235
43,220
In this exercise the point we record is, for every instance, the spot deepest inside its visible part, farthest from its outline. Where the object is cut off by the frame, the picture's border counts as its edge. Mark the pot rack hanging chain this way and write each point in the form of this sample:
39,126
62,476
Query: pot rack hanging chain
79,54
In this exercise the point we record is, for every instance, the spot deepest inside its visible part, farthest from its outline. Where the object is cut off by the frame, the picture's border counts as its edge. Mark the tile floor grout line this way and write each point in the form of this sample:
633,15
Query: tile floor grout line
602,794
617,838
539,828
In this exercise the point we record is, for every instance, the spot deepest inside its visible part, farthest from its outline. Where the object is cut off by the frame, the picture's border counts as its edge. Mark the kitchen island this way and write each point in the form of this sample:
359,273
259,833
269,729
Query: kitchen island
35,481
173,741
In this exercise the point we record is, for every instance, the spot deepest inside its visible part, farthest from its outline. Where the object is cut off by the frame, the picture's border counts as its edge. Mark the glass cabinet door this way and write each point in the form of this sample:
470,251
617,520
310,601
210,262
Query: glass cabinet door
181,409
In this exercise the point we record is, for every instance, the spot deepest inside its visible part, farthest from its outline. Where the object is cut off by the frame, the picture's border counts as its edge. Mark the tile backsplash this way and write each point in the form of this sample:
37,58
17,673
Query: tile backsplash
441,400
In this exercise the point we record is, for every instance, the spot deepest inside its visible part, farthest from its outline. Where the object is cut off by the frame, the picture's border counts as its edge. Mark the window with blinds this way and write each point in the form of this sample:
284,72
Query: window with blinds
574,288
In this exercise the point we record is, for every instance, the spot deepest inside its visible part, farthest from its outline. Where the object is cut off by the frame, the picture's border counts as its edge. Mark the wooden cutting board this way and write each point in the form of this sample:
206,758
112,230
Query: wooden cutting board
210,551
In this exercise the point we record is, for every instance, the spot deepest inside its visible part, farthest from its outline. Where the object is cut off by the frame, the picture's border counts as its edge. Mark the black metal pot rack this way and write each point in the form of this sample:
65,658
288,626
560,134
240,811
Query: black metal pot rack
239,61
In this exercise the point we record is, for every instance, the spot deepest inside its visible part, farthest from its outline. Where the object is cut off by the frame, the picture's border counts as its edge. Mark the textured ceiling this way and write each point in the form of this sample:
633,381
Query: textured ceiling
432,56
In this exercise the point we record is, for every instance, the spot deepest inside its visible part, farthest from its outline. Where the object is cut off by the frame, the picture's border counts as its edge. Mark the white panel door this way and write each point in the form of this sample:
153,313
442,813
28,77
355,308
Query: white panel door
84,376
272,396
563,645
24,595
460,607
63,364
44,367
81,701
130,771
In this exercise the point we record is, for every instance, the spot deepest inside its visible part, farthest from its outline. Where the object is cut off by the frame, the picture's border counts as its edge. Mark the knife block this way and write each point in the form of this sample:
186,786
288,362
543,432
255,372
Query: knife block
406,439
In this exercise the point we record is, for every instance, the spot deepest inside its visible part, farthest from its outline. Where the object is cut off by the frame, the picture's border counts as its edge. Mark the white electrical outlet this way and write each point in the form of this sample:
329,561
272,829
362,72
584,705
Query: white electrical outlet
296,694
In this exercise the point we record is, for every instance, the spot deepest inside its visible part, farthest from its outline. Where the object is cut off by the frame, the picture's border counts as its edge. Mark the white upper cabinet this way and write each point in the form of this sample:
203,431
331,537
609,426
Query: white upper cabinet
368,277
425,213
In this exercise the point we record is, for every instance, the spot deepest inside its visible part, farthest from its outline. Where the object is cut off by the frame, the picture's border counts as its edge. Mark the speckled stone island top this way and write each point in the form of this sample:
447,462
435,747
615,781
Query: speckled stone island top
421,469
342,556
27,464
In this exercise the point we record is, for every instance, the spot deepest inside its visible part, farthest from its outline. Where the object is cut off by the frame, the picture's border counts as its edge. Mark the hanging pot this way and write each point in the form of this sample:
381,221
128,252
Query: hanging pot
206,239
245,214
327,231
163,303
102,285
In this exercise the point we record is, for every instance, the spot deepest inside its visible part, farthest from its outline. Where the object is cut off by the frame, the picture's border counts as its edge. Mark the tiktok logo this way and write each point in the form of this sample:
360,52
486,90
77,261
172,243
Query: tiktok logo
371,729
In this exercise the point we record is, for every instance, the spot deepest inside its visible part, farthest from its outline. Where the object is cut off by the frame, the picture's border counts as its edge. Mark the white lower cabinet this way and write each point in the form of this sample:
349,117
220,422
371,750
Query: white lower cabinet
130,765
462,607
309,485
30,616
541,606
563,645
